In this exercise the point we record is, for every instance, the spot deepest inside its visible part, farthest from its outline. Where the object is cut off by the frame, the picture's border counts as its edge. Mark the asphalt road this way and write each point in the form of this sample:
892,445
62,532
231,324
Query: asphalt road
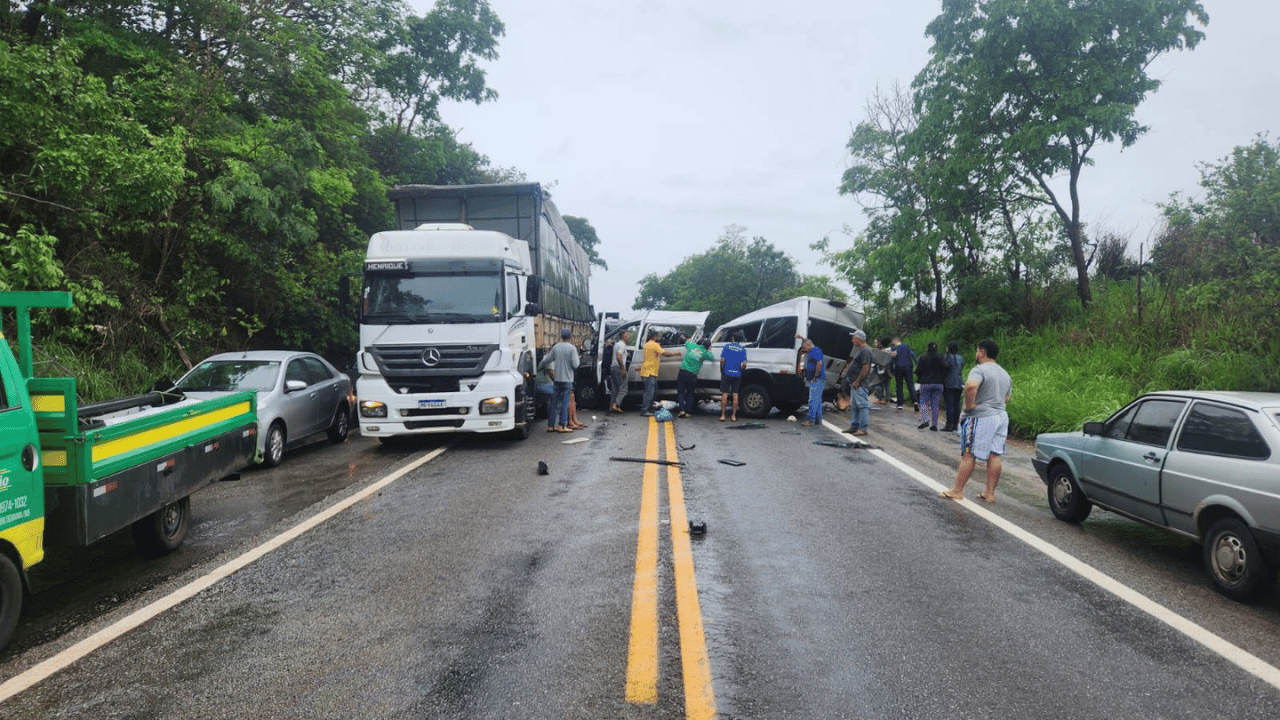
830,583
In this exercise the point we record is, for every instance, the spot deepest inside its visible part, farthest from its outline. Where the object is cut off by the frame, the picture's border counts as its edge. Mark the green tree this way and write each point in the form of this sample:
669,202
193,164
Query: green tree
586,236
733,278
1038,83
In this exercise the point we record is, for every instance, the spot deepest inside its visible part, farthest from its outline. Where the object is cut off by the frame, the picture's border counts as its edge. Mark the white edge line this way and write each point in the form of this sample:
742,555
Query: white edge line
42,671
1235,654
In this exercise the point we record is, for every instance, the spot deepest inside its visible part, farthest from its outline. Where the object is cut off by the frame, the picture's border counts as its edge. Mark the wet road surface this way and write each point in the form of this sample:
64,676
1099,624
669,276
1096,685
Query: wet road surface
830,584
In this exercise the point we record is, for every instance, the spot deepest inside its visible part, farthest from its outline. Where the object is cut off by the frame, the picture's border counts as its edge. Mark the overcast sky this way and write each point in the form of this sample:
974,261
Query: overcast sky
661,122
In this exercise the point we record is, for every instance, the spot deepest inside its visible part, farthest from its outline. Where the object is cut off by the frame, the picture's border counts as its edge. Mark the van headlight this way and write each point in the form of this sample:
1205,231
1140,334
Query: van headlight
493,406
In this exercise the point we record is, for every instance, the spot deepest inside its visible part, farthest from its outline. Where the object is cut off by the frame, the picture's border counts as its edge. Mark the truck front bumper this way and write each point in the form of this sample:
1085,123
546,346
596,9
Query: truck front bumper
478,411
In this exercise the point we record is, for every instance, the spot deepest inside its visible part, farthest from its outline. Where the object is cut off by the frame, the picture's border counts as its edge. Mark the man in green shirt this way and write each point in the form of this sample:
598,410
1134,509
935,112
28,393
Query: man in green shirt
687,379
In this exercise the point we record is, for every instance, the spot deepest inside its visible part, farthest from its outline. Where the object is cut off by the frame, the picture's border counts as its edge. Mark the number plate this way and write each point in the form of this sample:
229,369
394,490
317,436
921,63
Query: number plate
431,404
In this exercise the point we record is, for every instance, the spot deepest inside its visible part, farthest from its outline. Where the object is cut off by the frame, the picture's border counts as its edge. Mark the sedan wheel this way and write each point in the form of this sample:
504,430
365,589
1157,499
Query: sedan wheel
341,426
273,453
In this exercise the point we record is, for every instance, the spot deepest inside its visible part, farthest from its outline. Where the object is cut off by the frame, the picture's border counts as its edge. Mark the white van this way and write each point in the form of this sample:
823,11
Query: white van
773,351
671,326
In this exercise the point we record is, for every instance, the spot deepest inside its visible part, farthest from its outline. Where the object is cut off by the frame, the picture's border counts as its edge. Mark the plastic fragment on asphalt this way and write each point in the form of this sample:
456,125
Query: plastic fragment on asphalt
574,441
747,426
835,443
730,461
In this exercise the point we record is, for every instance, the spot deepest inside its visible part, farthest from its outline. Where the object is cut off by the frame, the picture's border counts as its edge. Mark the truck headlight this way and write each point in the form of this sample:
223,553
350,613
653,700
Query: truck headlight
493,406
372,409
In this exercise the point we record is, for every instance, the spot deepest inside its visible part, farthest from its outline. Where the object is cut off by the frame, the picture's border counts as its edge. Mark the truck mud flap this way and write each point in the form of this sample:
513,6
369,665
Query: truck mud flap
78,515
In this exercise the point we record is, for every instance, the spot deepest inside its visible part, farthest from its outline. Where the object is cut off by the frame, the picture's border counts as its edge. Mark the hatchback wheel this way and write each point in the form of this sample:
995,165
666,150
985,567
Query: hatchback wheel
1234,562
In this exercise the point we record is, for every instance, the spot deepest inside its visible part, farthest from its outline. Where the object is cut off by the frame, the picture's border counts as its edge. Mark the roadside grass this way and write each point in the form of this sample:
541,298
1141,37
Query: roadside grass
98,378
1092,364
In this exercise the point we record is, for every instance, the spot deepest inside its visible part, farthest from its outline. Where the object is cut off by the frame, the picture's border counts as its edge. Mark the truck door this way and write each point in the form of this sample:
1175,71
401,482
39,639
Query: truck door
1123,464
21,497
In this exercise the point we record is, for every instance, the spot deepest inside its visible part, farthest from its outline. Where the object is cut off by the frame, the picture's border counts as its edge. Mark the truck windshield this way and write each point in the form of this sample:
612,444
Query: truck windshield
433,298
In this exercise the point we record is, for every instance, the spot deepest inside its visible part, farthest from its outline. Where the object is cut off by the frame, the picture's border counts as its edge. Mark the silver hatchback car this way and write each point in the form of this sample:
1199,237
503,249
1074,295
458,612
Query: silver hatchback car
299,394
1205,465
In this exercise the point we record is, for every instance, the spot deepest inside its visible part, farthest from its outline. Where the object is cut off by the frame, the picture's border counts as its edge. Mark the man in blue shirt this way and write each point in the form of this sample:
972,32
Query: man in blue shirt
733,359
814,372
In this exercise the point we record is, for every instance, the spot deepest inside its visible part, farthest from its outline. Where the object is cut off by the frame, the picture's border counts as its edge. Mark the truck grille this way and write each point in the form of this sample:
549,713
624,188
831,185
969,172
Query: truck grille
430,368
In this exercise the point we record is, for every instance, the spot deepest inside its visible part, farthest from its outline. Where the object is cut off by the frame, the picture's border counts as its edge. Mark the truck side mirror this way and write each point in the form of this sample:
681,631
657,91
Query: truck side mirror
532,309
532,291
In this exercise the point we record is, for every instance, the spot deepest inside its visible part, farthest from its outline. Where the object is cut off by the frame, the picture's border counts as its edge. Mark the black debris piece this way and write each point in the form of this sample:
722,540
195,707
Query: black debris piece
697,528
730,461
835,443
542,468
747,426
677,463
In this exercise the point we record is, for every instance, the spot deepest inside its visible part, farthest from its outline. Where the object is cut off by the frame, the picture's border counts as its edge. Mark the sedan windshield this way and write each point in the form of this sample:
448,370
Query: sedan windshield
228,375
433,298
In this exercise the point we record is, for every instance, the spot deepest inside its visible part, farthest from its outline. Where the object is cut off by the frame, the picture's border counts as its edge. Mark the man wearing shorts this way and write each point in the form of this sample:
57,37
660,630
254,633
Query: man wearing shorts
984,425
733,358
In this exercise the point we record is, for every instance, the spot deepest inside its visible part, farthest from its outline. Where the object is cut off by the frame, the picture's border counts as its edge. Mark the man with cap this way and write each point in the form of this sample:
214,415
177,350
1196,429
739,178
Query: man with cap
561,362
856,373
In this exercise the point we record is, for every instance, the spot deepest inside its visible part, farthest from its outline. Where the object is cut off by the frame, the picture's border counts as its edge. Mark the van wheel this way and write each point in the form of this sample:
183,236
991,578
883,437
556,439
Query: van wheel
588,395
756,402
1234,562
161,532
1066,500
10,598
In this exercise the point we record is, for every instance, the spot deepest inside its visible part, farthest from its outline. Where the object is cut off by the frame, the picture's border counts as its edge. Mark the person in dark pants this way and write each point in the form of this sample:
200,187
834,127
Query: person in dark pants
904,359
932,373
953,387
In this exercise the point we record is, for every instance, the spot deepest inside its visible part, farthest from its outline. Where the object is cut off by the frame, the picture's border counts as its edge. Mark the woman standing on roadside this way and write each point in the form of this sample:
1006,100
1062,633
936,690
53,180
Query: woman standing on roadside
931,371
953,387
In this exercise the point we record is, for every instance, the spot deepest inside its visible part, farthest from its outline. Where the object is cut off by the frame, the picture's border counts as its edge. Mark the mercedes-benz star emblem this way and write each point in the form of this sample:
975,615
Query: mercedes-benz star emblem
431,357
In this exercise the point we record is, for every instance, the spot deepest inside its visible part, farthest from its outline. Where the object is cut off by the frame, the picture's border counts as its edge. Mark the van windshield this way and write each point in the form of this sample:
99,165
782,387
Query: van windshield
467,297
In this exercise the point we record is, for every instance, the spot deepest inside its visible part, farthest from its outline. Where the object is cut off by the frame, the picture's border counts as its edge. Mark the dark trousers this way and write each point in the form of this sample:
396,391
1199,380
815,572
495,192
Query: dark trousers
686,384
900,375
951,396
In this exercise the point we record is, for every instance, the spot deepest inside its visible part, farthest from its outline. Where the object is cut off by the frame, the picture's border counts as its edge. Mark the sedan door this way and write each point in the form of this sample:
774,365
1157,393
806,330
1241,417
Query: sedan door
1121,468
298,407
328,393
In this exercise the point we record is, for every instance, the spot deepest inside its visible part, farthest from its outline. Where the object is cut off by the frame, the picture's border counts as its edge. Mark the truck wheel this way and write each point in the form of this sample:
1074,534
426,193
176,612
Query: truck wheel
341,426
788,408
756,401
528,409
273,451
163,531
10,598
1066,500
1234,562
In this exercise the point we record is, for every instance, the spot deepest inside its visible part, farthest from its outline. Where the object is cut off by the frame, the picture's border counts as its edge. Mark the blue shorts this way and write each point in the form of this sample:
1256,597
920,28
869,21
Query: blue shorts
984,436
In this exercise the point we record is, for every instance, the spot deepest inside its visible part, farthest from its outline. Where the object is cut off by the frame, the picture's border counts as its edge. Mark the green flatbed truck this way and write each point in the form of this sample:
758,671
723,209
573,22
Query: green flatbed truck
72,474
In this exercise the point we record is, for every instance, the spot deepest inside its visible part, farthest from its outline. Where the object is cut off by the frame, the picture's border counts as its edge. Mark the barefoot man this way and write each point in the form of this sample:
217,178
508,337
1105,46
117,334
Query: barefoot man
984,425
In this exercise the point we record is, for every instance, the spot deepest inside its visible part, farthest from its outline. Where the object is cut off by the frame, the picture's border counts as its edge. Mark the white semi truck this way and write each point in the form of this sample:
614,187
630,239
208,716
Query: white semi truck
459,304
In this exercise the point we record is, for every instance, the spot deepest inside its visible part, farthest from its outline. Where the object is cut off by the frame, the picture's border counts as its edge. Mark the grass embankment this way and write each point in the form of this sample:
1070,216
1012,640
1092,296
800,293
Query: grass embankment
1089,366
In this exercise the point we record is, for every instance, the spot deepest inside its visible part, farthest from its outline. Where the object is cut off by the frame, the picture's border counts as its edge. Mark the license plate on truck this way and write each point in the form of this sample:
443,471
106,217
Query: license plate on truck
431,404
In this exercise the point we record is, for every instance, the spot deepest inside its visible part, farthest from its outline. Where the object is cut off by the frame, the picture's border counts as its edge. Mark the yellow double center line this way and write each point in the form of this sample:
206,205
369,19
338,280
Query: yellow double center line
642,657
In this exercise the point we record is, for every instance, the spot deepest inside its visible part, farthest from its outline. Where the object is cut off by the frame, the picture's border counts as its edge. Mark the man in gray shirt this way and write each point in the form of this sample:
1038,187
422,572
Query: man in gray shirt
561,361
984,425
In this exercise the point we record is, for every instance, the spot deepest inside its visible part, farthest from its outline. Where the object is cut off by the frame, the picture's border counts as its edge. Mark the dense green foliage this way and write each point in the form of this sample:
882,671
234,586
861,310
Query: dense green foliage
1199,315
733,278
200,174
